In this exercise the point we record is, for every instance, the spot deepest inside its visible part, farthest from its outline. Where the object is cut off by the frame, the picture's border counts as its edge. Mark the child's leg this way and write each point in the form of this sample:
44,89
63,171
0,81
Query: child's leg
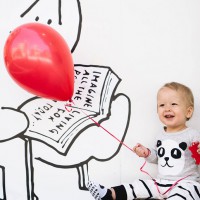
185,190
138,189
99,192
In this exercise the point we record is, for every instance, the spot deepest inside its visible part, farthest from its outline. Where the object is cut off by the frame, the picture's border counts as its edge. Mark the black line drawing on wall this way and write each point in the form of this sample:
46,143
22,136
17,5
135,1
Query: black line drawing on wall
56,135
58,18
49,21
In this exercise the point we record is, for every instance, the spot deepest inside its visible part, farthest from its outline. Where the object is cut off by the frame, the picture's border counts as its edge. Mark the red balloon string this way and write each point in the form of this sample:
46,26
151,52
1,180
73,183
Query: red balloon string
99,125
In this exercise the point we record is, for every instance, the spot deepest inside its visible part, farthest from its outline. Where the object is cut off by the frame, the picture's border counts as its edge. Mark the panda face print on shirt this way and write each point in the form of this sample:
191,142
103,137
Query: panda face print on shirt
171,157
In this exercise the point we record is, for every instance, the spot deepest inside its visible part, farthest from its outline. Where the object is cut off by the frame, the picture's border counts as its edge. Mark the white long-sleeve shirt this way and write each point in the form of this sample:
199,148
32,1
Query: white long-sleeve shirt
171,153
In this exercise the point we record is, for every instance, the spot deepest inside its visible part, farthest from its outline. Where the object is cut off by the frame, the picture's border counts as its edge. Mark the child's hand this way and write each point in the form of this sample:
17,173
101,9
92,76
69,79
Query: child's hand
141,150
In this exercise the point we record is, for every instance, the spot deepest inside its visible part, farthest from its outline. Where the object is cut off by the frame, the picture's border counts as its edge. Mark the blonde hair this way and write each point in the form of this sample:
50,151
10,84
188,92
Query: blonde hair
184,90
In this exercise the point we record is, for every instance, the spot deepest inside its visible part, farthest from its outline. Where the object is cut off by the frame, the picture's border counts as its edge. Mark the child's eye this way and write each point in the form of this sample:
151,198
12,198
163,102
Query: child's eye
174,104
161,105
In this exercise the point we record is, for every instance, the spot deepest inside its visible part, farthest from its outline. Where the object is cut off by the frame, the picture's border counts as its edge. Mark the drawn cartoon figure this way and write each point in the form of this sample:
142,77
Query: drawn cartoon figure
49,133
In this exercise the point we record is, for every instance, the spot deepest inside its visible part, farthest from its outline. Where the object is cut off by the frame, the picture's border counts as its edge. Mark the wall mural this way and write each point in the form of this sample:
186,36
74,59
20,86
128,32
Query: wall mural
59,134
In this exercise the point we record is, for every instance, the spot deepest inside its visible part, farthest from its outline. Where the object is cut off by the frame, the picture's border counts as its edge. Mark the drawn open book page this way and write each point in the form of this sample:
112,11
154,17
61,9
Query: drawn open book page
58,127
94,87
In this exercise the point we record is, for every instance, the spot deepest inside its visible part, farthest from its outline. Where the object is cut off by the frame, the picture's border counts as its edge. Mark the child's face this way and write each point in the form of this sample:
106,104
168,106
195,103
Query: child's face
173,110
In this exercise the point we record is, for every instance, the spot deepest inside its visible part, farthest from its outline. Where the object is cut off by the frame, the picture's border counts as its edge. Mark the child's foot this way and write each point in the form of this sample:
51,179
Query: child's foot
99,192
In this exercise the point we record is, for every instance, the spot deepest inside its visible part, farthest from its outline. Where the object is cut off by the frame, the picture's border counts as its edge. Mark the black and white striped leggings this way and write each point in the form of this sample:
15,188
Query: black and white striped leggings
146,189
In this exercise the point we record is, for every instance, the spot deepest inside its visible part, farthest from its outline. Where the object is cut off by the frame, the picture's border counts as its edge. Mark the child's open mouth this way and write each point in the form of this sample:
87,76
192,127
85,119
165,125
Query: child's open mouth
169,116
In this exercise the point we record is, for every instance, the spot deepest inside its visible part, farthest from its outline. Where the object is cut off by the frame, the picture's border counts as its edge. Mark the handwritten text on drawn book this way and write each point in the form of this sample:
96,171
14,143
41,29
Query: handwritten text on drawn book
60,116
87,86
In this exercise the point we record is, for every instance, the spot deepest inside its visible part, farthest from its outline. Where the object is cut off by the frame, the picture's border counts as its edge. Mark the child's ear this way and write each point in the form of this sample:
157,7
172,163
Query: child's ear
189,112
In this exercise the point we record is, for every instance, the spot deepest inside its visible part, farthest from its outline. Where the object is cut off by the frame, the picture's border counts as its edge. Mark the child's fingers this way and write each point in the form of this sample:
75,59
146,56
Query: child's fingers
140,152
136,146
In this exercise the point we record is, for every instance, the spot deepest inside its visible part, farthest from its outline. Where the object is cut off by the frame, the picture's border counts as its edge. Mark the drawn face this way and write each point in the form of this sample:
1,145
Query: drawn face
171,157
56,13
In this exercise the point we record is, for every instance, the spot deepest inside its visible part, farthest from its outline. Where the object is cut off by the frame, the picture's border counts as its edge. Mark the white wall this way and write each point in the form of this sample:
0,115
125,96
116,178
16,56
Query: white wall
146,43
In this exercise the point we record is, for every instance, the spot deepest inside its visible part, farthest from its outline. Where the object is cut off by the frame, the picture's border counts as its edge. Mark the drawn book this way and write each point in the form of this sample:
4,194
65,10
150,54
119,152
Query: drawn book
58,125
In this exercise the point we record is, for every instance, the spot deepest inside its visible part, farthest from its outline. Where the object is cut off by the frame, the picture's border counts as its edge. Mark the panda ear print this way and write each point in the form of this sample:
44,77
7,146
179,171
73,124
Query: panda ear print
159,143
183,146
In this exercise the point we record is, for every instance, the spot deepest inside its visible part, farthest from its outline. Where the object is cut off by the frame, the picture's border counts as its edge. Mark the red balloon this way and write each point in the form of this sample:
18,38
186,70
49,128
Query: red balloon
39,60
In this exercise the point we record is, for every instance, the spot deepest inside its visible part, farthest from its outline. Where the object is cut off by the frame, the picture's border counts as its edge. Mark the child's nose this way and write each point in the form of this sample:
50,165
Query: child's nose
168,107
